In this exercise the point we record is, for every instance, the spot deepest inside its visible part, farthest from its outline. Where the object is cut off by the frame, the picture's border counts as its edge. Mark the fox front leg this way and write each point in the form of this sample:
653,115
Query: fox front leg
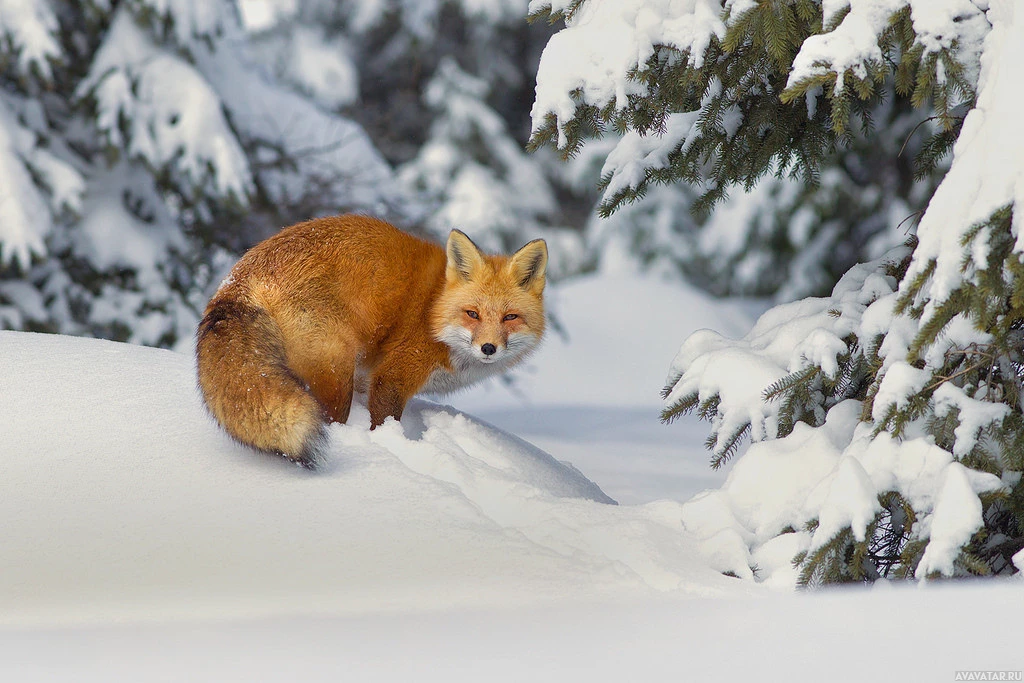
392,384
386,400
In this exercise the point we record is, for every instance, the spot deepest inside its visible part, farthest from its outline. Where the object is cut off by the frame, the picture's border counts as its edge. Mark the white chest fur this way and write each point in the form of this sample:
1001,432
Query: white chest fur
443,382
470,365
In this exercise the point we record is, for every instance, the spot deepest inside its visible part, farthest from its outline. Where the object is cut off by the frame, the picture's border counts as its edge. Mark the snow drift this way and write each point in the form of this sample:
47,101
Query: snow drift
123,500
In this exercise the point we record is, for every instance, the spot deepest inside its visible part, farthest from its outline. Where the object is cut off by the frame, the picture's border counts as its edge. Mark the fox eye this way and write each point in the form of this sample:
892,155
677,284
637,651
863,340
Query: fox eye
473,314
510,316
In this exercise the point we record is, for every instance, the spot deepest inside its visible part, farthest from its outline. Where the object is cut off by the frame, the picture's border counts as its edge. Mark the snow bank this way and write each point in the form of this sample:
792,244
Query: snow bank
784,639
124,501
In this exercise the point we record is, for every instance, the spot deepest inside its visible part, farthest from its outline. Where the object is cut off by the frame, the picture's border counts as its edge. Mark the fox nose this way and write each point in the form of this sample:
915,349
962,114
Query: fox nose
488,349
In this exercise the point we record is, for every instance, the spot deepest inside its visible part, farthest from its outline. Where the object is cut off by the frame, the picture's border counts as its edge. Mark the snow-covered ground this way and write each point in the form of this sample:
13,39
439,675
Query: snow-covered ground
591,395
124,501
139,543
924,636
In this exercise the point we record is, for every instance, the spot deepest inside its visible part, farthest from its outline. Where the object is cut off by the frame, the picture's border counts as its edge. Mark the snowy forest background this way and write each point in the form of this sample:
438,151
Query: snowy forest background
147,143
745,148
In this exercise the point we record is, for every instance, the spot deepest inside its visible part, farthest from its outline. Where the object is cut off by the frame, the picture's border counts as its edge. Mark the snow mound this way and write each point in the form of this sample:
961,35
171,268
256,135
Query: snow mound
123,500
588,396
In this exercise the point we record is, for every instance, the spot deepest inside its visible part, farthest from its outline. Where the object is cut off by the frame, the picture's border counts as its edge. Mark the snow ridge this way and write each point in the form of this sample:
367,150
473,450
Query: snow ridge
161,515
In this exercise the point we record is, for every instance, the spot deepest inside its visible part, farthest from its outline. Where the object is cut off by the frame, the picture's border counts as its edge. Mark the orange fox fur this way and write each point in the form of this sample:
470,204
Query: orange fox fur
332,303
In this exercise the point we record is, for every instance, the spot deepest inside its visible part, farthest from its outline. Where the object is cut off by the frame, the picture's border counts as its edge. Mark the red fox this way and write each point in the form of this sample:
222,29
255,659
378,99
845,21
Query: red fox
350,301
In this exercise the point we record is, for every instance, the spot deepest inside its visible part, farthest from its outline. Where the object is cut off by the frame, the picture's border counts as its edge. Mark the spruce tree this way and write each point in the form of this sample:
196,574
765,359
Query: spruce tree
143,154
828,177
785,238
908,376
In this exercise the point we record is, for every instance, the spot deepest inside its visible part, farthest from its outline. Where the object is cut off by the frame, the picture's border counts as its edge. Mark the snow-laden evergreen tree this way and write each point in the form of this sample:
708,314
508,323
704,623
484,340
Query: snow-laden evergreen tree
381,54
475,176
785,238
886,418
804,223
141,153
443,89
788,238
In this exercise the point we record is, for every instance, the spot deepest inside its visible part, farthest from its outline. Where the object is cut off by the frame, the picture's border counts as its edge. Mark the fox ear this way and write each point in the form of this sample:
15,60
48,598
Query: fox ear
464,257
529,264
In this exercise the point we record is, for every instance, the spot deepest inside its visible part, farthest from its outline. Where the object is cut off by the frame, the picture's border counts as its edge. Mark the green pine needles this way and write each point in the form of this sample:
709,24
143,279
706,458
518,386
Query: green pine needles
751,122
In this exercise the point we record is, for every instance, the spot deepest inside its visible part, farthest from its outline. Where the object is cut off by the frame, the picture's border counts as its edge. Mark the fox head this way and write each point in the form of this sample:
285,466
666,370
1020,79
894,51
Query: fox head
492,307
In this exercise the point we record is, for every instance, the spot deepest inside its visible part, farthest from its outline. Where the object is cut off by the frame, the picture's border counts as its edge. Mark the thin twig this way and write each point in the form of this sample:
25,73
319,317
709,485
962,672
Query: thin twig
943,380
916,213
911,133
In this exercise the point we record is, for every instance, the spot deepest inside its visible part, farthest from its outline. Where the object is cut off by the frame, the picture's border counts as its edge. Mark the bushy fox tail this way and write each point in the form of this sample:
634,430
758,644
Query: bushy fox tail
249,388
